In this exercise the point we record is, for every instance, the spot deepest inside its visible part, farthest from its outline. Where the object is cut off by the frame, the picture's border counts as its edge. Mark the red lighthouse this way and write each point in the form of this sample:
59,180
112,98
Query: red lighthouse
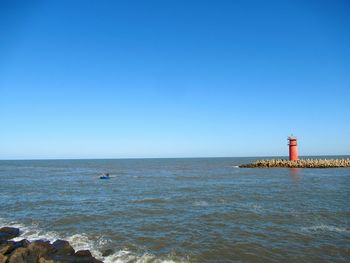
293,148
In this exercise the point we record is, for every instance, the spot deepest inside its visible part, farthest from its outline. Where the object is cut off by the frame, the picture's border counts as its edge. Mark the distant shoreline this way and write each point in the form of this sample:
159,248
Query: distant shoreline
302,163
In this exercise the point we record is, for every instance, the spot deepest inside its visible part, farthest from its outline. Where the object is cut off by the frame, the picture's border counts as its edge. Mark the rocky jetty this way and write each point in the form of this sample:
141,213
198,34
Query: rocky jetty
39,251
302,163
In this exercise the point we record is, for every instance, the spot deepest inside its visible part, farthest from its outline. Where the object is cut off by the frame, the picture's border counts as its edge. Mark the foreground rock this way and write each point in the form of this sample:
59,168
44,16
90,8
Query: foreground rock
7,233
8,246
68,259
303,163
3,258
40,251
32,252
63,247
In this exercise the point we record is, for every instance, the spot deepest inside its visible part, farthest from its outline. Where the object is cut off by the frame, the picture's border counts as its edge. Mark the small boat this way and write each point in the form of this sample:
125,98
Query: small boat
105,176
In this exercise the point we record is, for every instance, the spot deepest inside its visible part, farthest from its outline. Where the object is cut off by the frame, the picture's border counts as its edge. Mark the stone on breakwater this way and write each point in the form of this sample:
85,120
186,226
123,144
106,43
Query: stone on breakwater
302,163
63,247
32,252
68,259
8,246
40,251
7,233
3,258
20,255
83,253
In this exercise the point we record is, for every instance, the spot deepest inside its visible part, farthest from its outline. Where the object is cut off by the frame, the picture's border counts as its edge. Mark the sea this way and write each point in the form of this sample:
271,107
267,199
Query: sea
181,210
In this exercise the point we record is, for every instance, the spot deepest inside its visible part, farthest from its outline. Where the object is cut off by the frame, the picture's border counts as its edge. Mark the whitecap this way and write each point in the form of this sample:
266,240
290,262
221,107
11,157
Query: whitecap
82,242
128,256
325,228
200,203
79,241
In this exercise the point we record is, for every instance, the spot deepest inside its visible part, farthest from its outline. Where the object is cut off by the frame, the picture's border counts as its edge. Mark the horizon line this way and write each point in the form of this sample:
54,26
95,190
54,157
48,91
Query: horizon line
142,158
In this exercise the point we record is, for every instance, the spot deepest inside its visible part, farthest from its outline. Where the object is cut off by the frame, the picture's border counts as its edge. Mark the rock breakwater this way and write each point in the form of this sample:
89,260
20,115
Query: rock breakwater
302,163
39,251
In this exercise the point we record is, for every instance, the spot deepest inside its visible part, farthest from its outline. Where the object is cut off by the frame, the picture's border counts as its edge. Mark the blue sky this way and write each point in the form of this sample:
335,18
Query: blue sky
119,79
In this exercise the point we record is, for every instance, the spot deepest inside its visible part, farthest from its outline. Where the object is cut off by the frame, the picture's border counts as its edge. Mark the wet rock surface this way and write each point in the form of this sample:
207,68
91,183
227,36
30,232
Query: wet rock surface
7,233
8,246
39,251
83,253
68,259
63,247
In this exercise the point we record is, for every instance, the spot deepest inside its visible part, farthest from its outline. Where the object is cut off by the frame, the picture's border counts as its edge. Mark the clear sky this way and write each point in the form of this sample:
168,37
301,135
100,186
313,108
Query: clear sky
119,79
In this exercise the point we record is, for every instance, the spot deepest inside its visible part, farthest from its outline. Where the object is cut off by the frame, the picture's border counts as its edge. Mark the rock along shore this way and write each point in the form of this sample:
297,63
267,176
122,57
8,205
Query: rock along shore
303,163
39,251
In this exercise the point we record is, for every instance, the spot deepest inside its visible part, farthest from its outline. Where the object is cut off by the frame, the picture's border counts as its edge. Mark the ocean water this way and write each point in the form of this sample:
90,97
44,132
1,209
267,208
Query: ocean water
181,210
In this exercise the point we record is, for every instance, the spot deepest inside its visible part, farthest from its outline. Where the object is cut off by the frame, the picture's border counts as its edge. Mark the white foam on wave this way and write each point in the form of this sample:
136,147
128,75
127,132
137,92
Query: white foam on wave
200,203
79,241
31,232
325,228
127,256
82,242
256,207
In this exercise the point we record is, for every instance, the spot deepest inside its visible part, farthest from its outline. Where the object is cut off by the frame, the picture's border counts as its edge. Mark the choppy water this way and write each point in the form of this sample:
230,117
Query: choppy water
191,210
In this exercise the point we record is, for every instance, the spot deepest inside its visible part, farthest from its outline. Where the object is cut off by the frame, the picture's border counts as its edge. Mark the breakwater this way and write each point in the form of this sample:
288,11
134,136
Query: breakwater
302,163
40,251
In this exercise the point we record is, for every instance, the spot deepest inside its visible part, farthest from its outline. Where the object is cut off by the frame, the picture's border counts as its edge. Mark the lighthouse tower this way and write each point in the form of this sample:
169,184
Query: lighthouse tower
293,148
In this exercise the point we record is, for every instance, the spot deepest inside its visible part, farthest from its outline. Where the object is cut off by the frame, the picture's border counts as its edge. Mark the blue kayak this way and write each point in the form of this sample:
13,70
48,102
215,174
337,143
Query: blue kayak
104,177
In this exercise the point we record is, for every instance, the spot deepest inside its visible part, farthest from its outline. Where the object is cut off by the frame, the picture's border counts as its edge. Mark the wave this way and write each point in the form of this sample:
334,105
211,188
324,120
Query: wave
83,241
151,200
325,228
188,189
127,256
200,203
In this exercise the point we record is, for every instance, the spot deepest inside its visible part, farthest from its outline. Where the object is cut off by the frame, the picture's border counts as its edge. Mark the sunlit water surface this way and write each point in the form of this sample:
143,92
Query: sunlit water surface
190,210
